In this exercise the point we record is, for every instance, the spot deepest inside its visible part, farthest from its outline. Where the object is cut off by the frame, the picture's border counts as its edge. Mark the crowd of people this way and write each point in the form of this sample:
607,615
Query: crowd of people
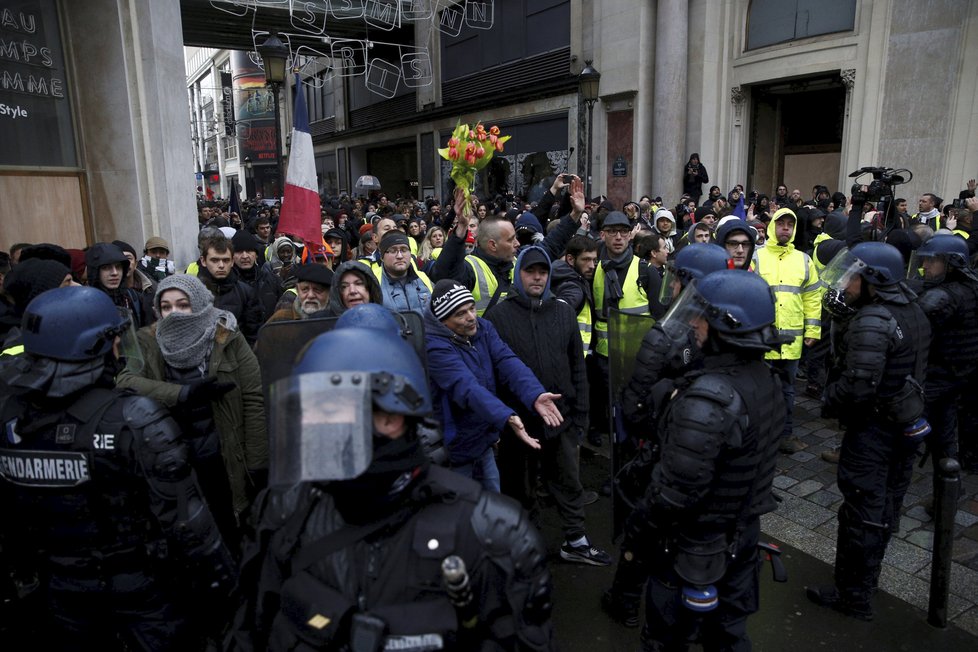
152,460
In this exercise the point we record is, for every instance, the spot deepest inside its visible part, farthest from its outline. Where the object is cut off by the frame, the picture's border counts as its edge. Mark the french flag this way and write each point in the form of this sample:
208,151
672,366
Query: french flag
300,217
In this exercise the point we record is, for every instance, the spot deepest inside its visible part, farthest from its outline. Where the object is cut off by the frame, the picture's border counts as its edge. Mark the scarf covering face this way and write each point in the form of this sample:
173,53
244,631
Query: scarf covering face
186,339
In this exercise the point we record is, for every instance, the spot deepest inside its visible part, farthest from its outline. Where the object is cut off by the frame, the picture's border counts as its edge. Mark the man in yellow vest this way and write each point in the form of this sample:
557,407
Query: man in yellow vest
572,277
488,271
403,286
798,305
619,282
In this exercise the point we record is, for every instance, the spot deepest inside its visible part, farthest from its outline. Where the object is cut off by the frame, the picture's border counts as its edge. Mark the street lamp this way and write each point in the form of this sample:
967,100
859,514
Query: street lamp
588,85
249,185
274,55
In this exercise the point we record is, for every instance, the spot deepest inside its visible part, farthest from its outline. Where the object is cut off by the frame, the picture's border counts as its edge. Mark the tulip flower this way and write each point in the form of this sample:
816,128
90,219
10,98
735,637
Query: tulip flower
479,152
494,130
453,142
452,154
499,146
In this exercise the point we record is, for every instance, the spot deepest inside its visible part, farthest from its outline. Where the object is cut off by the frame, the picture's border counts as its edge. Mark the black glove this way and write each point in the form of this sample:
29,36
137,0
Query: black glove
203,391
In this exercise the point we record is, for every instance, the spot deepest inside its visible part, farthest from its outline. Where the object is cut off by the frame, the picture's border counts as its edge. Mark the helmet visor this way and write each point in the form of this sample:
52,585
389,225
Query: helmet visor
688,309
841,270
672,285
129,349
321,427
927,266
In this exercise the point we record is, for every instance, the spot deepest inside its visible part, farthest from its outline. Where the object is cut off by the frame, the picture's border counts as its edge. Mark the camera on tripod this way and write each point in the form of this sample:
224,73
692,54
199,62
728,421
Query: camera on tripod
881,187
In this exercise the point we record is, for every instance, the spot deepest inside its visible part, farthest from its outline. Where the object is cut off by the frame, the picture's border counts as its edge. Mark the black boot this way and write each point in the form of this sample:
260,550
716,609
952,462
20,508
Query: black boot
829,596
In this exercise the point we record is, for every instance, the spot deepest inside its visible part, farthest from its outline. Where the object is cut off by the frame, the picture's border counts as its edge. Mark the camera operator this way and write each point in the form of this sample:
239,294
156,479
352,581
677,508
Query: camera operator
694,177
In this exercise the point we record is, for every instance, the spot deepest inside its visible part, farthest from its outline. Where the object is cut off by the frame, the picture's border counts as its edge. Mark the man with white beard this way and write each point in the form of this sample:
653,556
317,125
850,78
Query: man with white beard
313,283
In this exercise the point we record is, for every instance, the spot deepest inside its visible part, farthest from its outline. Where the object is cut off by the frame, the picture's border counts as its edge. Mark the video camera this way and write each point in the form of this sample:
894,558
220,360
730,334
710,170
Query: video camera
881,187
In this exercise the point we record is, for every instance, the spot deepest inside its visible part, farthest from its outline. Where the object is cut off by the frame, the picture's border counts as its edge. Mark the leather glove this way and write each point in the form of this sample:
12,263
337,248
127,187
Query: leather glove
204,391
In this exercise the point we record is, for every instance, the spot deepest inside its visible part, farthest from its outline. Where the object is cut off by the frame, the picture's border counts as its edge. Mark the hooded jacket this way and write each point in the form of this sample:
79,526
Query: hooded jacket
543,332
738,226
275,265
138,303
344,253
335,307
797,290
672,237
464,376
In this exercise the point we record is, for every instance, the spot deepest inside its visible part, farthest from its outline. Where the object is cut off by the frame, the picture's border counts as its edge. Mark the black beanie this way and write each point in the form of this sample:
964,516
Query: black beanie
46,251
32,277
391,239
125,246
244,241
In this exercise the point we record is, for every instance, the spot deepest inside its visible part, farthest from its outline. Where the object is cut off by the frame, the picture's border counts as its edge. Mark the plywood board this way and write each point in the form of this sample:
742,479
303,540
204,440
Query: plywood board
42,208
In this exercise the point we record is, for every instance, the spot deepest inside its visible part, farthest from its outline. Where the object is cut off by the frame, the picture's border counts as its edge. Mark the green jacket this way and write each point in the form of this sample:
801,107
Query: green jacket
239,415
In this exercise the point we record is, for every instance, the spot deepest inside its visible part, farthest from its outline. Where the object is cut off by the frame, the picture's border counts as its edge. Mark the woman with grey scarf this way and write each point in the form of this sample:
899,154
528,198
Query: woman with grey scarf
199,365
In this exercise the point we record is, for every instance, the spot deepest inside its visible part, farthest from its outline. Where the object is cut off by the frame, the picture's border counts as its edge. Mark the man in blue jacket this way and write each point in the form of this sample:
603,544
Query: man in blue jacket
466,361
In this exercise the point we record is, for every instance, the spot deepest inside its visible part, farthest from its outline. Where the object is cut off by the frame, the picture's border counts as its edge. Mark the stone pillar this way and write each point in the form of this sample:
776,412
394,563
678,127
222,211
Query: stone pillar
739,124
669,120
645,118
133,120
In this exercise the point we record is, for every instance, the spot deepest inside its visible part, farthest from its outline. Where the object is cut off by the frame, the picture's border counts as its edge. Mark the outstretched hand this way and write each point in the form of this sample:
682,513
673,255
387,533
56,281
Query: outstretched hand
517,425
547,409
461,220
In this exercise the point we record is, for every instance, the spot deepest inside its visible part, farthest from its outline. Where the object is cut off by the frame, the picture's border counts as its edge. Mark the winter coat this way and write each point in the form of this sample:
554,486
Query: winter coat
239,415
463,375
266,285
570,287
543,333
797,290
693,183
237,297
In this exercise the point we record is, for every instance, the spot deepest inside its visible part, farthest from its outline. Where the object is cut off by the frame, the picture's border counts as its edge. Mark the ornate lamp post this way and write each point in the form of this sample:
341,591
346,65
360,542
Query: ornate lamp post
588,83
274,55
249,184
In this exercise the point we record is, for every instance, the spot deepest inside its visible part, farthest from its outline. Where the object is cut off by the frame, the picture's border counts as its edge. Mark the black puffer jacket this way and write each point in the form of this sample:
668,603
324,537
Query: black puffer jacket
543,333
570,287
237,297
266,284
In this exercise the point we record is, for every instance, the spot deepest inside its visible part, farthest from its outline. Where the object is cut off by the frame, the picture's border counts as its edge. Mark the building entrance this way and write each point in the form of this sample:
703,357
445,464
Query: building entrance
796,134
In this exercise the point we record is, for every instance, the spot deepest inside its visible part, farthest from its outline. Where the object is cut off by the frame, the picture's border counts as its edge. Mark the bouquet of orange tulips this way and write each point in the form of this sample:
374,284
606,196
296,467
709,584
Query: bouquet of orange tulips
470,149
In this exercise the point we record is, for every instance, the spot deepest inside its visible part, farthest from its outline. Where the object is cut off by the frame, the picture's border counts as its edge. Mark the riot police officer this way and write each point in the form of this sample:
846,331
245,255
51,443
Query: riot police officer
663,358
949,298
875,388
96,487
698,524
371,547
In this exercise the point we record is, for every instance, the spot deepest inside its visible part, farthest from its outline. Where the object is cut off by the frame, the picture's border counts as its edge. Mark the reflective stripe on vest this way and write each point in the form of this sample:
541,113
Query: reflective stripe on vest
584,320
14,350
634,302
485,283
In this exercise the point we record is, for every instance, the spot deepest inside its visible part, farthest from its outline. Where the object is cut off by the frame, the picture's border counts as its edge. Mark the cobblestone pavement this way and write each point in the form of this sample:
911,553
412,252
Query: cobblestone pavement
806,519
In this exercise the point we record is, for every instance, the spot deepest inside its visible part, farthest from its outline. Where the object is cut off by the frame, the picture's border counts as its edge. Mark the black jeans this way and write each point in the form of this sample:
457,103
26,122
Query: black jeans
557,462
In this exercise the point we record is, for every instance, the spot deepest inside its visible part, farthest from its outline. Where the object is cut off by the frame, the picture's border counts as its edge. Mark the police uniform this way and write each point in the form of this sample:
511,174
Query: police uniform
355,561
99,495
880,357
696,529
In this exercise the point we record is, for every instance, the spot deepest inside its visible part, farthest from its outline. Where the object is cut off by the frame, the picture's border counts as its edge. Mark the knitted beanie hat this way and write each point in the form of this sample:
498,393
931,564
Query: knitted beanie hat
200,297
391,239
447,297
32,277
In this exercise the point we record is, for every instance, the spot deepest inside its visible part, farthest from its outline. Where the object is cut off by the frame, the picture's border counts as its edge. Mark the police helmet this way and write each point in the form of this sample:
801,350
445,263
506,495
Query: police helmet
369,315
399,382
882,263
737,301
953,247
693,261
72,324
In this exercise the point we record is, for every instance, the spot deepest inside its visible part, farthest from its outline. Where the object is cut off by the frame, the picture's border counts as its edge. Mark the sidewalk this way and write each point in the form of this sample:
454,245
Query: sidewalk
805,523
806,519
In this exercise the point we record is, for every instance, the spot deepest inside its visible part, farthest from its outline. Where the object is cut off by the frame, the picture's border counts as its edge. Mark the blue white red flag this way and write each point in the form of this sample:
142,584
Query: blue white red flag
301,217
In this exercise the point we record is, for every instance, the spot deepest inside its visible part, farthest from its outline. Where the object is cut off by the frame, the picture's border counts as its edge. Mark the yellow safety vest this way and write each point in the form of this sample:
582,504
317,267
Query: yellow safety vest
584,321
485,283
192,269
378,270
634,302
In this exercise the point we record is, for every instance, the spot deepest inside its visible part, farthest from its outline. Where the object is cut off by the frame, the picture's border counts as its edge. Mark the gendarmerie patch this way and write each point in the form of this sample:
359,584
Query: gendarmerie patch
44,468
